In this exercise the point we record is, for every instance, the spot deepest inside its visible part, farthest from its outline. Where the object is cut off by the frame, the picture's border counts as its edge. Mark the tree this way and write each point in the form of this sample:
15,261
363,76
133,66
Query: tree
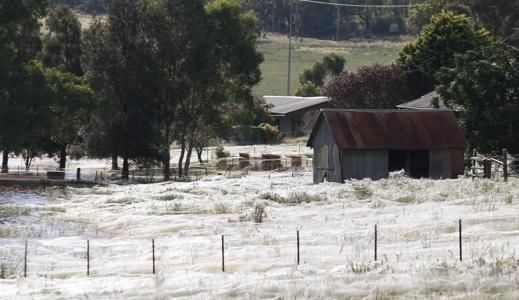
181,53
236,60
63,42
121,64
447,35
307,89
71,105
19,43
62,51
311,80
420,16
500,17
371,87
484,83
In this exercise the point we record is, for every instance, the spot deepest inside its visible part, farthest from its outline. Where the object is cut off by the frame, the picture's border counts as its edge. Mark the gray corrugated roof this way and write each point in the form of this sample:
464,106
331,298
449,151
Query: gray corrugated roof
282,105
424,102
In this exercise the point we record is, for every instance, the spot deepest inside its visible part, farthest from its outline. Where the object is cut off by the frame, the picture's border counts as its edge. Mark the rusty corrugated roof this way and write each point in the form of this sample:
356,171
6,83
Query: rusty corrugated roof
392,129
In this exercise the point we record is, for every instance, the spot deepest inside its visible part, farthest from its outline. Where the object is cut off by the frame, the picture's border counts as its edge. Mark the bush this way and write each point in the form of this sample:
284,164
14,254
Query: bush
294,198
221,153
270,133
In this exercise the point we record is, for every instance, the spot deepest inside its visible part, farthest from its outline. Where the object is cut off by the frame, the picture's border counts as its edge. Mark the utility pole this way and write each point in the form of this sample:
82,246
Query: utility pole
273,16
289,49
338,23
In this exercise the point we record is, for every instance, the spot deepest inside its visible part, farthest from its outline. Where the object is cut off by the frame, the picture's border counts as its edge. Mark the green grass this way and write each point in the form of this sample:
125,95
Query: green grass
306,53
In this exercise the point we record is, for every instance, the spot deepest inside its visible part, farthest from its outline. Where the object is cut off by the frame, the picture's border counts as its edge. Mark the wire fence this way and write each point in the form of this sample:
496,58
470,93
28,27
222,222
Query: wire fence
229,166
361,250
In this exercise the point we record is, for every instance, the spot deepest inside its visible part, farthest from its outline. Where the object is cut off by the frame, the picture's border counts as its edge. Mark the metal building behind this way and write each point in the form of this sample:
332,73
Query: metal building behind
357,144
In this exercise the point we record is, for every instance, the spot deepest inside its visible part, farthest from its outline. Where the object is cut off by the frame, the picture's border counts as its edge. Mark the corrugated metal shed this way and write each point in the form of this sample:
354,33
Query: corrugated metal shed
283,105
392,129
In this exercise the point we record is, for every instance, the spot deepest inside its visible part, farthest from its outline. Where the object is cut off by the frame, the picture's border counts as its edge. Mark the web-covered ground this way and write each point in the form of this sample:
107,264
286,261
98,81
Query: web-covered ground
418,254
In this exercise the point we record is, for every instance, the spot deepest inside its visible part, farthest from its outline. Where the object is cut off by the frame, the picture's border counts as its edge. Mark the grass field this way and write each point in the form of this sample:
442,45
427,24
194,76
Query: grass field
307,52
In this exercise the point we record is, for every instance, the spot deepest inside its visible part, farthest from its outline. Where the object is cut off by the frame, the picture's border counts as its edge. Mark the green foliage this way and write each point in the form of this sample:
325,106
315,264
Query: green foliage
72,105
334,64
420,16
221,153
331,65
307,89
119,58
311,80
447,35
271,133
500,17
485,84
375,86
63,43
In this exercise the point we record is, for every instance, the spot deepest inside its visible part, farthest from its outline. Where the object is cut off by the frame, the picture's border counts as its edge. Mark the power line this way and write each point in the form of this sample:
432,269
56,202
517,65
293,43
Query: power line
363,5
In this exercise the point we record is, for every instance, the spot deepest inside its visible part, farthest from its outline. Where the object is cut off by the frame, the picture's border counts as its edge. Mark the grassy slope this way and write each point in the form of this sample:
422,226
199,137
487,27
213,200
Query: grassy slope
306,53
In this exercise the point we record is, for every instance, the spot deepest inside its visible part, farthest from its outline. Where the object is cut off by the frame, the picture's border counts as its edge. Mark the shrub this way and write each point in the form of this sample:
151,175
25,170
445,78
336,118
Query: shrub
293,198
221,153
221,209
270,133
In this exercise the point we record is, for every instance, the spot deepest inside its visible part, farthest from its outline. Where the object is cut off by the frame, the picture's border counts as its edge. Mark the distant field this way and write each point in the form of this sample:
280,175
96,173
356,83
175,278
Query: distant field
306,53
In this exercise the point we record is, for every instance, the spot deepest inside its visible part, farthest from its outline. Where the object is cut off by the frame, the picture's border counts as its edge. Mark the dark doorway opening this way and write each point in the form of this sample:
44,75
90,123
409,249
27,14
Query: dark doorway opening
419,164
397,160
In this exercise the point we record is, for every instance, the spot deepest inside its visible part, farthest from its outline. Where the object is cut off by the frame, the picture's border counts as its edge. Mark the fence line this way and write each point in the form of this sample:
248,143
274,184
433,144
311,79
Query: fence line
223,255
226,166
492,166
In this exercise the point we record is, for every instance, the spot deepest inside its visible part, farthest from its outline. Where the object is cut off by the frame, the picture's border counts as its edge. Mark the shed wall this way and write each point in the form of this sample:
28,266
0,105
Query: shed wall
360,164
332,165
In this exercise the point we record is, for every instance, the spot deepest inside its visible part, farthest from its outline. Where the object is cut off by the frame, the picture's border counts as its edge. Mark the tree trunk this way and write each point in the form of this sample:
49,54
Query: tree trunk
199,152
5,162
125,174
166,157
63,157
181,158
115,165
188,160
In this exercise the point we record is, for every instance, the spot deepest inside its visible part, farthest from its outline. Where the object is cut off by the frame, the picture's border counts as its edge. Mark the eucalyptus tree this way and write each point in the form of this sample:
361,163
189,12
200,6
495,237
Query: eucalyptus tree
120,62
181,50
62,44
19,43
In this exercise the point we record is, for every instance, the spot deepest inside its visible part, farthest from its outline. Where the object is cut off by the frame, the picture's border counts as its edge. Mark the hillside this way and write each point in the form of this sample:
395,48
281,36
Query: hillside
307,52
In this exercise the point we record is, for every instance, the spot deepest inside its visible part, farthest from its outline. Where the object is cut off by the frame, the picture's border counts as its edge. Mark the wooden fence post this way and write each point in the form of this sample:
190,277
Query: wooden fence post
298,260
223,255
88,257
461,253
505,165
25,261
474,154
376,242
487,168
153,253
